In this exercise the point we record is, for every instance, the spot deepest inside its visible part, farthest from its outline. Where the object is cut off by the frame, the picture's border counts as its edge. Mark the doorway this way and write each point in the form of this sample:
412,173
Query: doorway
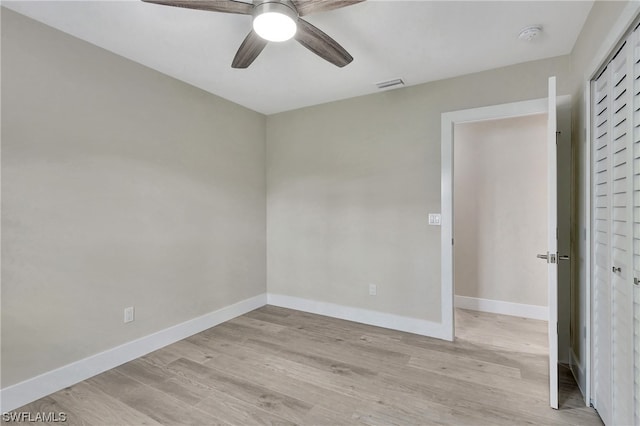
563,234
500,216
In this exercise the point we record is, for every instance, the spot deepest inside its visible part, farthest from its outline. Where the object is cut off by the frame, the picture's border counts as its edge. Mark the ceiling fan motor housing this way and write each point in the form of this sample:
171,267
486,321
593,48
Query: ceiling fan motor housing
276,6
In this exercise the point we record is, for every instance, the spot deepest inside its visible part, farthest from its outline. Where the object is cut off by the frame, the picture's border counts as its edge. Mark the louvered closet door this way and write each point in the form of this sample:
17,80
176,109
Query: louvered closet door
621,244
634,45
601,247
616,241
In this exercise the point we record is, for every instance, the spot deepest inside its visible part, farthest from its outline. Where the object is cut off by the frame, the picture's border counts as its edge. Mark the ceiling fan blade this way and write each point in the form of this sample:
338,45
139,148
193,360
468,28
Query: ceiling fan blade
306,7
249,50
321,44
226,6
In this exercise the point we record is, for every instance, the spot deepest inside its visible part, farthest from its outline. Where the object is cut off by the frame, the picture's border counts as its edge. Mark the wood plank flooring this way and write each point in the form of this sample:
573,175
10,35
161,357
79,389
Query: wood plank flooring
279,366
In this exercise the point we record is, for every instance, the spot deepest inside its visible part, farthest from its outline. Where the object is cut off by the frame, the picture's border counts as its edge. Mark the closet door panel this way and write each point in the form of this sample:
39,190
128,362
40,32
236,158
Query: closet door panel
601,247
634,125
622,246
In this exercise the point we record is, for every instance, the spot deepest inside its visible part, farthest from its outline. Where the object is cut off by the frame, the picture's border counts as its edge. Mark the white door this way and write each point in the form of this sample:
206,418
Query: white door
621,241
601,280
616,241
635,133
552,241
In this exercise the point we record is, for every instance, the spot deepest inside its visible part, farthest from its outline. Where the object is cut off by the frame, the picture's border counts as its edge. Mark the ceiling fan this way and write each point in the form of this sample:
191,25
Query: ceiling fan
276,20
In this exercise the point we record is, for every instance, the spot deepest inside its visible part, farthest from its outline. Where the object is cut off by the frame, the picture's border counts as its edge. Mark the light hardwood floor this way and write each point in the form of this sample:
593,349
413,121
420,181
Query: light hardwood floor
279,366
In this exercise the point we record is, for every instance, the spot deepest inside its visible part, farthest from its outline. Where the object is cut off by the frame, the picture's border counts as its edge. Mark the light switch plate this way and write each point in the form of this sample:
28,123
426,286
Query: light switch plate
129,314
434,219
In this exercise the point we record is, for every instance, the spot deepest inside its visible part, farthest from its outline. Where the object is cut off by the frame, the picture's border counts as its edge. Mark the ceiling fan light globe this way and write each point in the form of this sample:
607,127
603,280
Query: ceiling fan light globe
274,26
275,21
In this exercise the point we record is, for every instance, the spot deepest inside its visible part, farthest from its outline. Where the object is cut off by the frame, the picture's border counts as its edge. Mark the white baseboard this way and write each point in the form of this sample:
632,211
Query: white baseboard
504,308
30,390
364,316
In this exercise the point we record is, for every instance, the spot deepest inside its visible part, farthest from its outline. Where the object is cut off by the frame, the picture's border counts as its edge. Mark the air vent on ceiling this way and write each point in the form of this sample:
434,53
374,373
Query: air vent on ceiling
389,84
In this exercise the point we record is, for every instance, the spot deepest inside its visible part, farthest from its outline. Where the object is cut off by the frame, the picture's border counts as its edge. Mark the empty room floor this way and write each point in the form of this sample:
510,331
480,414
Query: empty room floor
279,366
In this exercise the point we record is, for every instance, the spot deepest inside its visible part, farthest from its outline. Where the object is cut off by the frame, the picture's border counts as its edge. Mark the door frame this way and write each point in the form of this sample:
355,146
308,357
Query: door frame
448,121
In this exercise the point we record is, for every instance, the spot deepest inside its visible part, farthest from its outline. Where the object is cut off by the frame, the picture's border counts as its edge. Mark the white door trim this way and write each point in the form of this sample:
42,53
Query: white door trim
588,245
448,121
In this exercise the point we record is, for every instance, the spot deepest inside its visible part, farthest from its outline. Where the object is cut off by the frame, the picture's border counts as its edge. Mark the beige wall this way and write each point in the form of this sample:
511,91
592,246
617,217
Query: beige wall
120,187
500,209
350,185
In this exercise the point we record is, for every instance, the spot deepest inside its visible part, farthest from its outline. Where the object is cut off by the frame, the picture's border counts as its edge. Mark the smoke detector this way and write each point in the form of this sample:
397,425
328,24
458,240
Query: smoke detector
529,33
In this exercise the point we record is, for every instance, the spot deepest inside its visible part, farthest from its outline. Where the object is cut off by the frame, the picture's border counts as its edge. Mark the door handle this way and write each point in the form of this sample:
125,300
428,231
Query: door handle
549,257
616,269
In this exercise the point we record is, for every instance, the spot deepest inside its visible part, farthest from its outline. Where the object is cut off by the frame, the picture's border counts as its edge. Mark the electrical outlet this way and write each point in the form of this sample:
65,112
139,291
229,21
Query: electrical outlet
373,289
129,314
435,219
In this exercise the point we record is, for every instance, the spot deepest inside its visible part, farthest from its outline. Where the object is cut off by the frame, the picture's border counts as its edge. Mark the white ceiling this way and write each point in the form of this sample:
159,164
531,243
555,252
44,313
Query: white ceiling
418,41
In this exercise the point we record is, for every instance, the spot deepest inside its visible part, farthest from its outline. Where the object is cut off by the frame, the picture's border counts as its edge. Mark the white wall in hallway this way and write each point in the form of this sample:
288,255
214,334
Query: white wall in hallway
500,215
